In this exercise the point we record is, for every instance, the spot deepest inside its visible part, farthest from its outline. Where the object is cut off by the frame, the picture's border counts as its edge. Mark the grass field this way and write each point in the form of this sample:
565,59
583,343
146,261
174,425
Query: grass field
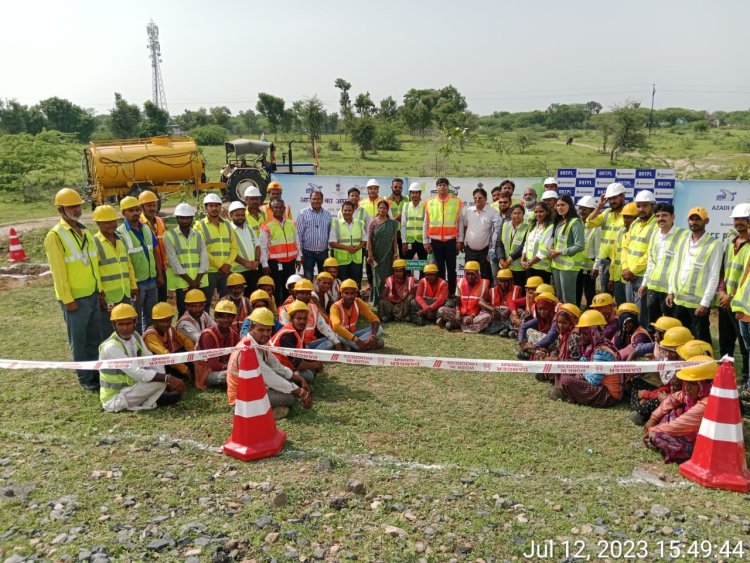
466,466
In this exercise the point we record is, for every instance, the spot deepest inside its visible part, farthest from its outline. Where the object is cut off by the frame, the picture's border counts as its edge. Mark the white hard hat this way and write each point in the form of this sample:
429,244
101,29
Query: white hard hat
550,180
252,191
615,188
587,201
211,198
235,205
184,210
294,278
645,197
372,182
415,187
549,194
741,211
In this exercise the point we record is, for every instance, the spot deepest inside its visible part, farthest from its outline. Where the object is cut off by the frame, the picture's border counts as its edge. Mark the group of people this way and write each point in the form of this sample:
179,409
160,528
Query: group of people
296,284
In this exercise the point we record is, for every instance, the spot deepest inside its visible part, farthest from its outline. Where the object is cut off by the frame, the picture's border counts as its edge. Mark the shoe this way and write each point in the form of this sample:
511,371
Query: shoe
168,398
636,418
380,344
512,334
556,394
280,412
523,355
449,326
91,387
541,377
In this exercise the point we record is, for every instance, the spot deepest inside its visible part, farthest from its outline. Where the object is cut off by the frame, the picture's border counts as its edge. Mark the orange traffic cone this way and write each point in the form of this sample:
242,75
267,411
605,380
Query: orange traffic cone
718,459
254,435
15,252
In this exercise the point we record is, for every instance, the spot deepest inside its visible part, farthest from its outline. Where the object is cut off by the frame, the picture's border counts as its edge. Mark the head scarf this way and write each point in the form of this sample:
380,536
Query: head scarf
563,351
545,325
623,336
705,391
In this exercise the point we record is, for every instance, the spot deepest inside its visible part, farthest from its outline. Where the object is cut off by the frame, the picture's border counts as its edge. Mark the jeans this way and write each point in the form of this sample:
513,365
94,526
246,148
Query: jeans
729,331
565,284
657,305
445,252
148,296
604,274
310,259
745,335
699,326
84,336
631,294
362,334
321,344
351,271
586,287
216,282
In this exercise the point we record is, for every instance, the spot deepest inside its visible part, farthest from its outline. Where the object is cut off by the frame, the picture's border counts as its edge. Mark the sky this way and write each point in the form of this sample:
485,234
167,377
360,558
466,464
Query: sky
501,55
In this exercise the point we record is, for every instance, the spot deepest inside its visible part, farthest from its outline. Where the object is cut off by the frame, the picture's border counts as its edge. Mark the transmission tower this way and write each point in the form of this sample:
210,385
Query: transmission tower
157,84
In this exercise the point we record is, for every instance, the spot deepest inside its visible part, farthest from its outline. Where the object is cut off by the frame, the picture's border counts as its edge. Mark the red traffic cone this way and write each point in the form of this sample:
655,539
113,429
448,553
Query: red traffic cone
254,435
15,252
718,459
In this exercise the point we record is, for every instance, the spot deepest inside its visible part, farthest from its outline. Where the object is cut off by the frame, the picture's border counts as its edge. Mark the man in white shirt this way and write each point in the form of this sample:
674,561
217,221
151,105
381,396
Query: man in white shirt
475,227
247,261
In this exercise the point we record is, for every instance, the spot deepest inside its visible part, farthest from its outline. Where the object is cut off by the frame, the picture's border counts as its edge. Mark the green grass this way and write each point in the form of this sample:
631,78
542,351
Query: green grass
436,449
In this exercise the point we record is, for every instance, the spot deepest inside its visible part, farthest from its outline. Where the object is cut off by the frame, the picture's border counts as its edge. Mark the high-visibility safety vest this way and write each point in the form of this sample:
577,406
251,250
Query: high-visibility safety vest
470,296
141,254
587,261
255,224
112,381
113,268
741,300
432,291
348,238
399,205
610,223
663,261
246,248
188,253
80,260
538,241
497,299
389,284
371,207
513,240
313,313
690,293
348,320
159,229
218,240
281,240
734,265
637,249
268,214
560,243
617,251
443,218
414,222
276,339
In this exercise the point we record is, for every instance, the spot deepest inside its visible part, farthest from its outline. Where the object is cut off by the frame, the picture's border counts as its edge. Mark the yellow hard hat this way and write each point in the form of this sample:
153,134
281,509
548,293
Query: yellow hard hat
123,311
533,282
304,285
225,306
400,263
105,213
695,348
324,275
505,275
629,308
274,186
545,288
259,295
162,311
195,296
665,323
602,300
297,306
330,262
676,336
128,202
591,317
546,296
472,266
701,372
571,309
349,284
147,196
67,197
430,269
630,209
262,316
235,279
266,280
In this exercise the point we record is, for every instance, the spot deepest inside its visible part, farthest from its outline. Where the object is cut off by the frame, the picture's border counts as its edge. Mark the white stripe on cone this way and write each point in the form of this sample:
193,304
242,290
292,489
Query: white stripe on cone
250,409
721,431
249,373
725,393
15,247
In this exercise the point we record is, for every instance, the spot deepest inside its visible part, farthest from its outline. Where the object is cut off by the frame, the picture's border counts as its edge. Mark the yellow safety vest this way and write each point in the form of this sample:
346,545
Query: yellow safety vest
414,221
610,224
282,245
112,381
254,223
218,240
539,242
734,266
617,251
344,236
560,242
141,255
690,293
248,253
640,238
514,240
188,253
741,301
664,262
113,268
371,207
80,260
587,263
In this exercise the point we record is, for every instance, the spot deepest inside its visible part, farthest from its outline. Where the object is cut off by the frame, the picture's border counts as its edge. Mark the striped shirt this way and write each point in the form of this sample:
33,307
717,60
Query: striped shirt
313,229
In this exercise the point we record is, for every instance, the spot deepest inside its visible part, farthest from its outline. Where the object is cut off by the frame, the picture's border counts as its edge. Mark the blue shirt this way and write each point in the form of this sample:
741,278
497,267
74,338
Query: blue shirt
313,229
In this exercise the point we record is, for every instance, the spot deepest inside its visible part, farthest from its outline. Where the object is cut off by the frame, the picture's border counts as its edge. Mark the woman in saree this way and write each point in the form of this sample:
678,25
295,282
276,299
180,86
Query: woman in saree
382,248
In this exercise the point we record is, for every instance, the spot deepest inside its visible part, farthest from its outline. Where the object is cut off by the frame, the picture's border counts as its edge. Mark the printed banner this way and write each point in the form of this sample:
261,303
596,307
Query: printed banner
719,197
581,182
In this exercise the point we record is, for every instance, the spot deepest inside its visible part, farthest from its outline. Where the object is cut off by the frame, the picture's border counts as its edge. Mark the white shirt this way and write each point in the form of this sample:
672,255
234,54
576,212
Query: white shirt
249,241
713,265
111,351
475,226
661,244
265,241
275,375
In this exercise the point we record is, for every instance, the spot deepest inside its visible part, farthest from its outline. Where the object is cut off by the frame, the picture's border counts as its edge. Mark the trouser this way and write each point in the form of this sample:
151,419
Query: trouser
699,326
428,315
280,272
307,374
251,281
362,334
657,305
105,324
604,274
395,311
729,331
311,259
544,274
148,296
216,378
321,344
368,267
478,323
585,287
744,327
216,282
480,256
351,271
141,396
618,292
631,295
519,279
279,399
162,290
84,336
445,252
565,284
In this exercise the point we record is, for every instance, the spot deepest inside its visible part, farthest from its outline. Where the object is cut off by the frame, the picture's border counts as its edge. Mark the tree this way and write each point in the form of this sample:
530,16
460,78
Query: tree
63,115
191,119
593,107
220,115
125,118
388,109
155,122
272,108
567,116
311,115
364,105
13,117
345,103
250,120
363,134
628,128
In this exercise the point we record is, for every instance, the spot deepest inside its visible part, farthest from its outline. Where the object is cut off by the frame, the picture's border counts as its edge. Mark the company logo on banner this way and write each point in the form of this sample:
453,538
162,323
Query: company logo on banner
581,182
719,197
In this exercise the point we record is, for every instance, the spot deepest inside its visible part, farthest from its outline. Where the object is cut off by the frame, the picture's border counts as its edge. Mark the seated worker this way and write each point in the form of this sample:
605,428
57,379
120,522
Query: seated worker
673,426
466,314
652,350
161,338
398,294
344,316
282,384
537,328
546,288
317,323
195,319
591,389
331,266
236,294
322,294
290,283
259,299
525,307
291,335
132,388
501,303
565,347
629,333
650,389
267,284
213,371
605,304
430,295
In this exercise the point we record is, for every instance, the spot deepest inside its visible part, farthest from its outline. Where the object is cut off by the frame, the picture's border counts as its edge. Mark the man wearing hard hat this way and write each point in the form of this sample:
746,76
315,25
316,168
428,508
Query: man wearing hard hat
253,214
187,258
635,256
247,261
221,245
149,216
74,264
610,220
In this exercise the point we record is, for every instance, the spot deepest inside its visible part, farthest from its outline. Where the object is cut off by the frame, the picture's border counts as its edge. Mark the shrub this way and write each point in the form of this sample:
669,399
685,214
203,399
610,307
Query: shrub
334,146
209,134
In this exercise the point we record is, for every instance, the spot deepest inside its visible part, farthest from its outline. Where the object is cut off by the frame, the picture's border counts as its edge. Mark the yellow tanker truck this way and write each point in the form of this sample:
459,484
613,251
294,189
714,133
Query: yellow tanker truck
161,164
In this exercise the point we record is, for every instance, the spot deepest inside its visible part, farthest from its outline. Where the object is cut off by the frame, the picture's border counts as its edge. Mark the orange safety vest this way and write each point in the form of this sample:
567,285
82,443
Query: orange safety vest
281,245
443,218
470,296
498,300
243,311
170,343
313,313
276,338
158,228
429,290
389,284
351,325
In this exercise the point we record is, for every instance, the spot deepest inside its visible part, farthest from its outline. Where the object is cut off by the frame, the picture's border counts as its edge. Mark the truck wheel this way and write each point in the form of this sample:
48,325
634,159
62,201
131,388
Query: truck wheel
243,178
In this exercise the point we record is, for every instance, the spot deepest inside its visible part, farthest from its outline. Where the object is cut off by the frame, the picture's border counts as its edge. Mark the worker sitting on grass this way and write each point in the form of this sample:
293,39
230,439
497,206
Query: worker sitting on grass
195,319
466,314
318,333
501,303
259,299
267,284
213,371
282,384
344,316
162,338
430,295
292,335
132,388
236,295
398,297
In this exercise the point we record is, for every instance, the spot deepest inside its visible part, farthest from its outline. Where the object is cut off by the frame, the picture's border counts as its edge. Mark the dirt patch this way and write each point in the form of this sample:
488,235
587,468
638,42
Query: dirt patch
21,275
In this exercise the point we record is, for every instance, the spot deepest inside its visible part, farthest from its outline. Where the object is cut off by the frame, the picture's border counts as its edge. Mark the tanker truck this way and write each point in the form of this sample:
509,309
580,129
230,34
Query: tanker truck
162,164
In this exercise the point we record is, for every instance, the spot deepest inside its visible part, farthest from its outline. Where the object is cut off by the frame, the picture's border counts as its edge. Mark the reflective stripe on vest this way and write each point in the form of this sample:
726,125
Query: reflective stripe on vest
537,242
498,300
144,263
443,218
664,261
217,245
79,261
389,284
244,251
640,237
691,292
741,301
281,243
513,240
414,222
587,263
470,296
276,339
113,271
255,224
371,207
734,265
112,381
615,267
348,238
611,224
430,291
189,256
351,325
560,243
